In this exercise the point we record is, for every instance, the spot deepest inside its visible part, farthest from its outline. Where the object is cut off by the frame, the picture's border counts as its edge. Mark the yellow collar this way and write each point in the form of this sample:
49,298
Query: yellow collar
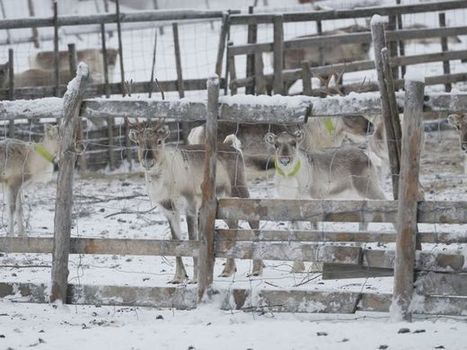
329,125
294,171
42,151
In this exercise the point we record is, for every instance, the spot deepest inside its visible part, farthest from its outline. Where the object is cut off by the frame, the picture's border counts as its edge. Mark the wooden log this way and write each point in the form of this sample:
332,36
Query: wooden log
222,41
343,271
351,13
379,42
64,198
392,46
35,33
105,61
447,284
260,82
331,236
120,47
250,59
401,44
178,61
101,246
278,52
56,53
125,17
444,48
207,213
446,212
408,197
306,79
407,34
232,71
11,89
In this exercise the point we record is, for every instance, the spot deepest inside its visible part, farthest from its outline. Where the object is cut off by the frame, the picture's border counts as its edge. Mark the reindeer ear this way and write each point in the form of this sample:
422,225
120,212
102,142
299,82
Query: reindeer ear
454,120
270,138
163,132
299,135
133,135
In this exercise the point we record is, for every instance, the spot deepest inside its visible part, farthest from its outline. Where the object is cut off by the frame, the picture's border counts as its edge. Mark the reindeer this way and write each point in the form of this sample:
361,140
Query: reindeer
341,173
45,60
319,133
32,77
459,121
21,163
174,176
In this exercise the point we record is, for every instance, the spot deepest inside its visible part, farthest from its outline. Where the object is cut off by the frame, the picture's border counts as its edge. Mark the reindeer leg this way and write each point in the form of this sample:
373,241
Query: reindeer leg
192,224
13,190
298,266
19,214
368,187
173,216
230,267
258,264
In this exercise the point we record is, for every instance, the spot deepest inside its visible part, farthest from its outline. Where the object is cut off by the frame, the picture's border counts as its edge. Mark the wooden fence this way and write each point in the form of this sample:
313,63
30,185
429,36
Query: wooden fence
430,268
255,80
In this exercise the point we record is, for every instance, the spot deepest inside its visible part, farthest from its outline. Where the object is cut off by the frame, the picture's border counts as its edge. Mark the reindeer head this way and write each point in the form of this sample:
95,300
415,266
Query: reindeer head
286,150
459,121
151,142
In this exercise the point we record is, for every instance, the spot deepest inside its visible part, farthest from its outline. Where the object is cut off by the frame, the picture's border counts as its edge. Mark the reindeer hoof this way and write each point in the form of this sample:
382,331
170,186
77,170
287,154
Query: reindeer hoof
228,273
178,280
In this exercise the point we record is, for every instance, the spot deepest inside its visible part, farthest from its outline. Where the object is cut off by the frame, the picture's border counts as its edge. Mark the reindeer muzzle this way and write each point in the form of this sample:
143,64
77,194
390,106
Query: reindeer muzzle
147,163
284,161
464,146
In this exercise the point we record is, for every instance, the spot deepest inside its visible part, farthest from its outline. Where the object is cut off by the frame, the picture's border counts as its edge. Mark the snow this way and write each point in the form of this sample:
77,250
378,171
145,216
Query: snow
265,100
415,75
377,19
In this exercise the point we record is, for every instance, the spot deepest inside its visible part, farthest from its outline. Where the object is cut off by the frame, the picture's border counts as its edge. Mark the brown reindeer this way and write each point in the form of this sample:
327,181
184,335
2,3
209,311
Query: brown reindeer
174,176
32,77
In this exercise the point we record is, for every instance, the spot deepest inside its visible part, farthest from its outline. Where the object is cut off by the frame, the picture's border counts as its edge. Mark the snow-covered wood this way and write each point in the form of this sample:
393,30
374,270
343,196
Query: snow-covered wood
434,283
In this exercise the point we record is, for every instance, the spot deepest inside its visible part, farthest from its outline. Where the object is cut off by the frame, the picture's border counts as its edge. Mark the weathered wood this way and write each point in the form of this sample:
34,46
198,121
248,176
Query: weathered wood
289,251
401,43
35,33
178,60
408,197
351,13
331,236
392,46
56,53
278,52
222,41
11,89
105,61
343,271
120,47
407,34
446,212
207,213
306,79
231,69
64,198
153,65
444,48
250,59
125,17
260,82
101,246
435,283
379,42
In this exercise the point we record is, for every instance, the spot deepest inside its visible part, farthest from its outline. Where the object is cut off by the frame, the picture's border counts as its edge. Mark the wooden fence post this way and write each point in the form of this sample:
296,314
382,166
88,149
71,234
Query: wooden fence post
56,53
393,46
120,47
306,78
207,214
232,71
250,59
444,48
401,42
278,45
222,42
64,199
35,32
260,82
11,89
379,42
408,196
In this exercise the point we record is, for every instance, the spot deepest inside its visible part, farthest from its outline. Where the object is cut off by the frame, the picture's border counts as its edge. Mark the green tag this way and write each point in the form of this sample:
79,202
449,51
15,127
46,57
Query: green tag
329,125
42,151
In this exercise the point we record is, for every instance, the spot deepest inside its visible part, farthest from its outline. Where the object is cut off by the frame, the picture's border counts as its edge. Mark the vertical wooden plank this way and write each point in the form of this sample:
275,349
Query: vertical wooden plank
156,7
222,41
227,57
105,61
408,195
260,83
120,48
207,214
278,81
306,78
35,33
11,89
180,83
393,46
56,53
231,70
319,30
4,16
72,58
250,59
379,42
153,65
400,26
64,198
444,48
178,61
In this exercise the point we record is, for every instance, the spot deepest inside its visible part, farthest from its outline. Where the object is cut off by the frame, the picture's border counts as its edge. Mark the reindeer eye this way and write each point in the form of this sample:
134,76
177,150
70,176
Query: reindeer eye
159,142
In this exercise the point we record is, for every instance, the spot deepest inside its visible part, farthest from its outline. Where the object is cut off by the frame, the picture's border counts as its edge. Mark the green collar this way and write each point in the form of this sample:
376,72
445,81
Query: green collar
294,171
42,151
329,125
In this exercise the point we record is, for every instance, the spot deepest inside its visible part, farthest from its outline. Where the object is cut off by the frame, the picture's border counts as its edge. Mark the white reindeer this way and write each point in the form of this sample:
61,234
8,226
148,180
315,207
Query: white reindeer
343,173
21,163
174,176
459,121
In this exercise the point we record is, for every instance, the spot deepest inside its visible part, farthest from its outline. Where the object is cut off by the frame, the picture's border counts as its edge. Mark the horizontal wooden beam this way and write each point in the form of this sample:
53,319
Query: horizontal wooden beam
350,13
125,17
101,246
406,34
331,236
447,212
435,283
